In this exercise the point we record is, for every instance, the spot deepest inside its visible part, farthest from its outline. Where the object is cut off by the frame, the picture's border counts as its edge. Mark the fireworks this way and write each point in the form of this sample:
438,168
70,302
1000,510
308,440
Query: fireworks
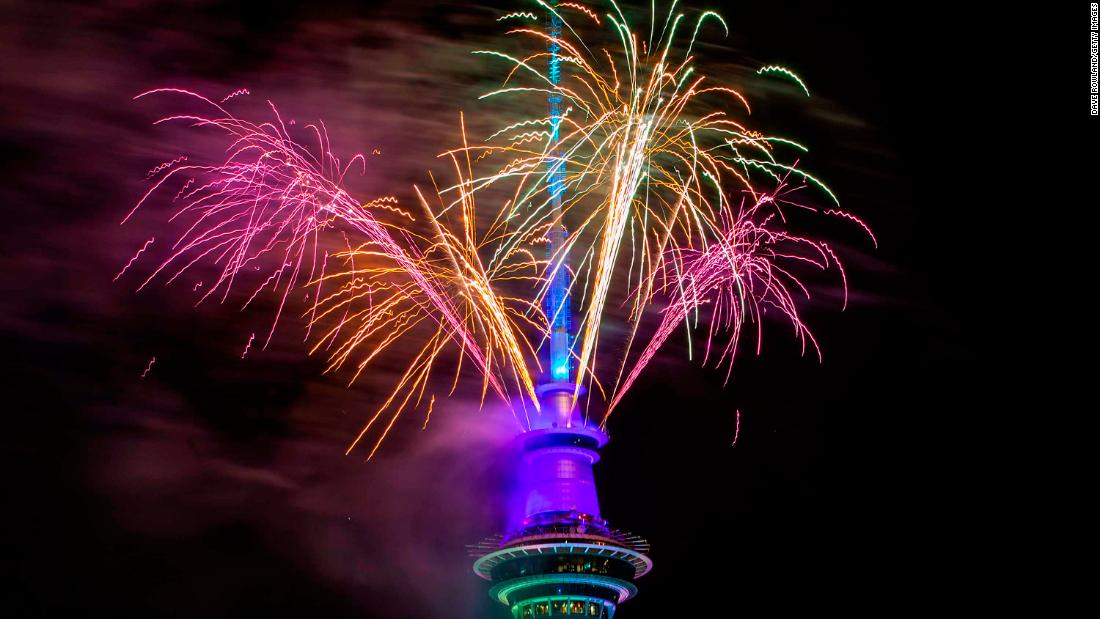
274,201
670,197
662,202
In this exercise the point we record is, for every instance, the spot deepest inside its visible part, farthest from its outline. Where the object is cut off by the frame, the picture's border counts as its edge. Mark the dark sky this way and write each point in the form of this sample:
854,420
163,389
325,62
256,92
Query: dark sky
218,487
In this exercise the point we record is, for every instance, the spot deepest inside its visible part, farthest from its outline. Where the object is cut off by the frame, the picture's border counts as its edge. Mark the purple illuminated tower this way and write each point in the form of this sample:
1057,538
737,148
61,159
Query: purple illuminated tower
559,557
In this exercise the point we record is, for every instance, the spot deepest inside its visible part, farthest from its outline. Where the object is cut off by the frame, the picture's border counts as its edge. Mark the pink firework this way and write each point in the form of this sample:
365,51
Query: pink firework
749,271
263,216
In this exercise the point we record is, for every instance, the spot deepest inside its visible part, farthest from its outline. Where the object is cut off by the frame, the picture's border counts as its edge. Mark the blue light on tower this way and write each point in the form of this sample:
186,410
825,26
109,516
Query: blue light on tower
556,304
559,557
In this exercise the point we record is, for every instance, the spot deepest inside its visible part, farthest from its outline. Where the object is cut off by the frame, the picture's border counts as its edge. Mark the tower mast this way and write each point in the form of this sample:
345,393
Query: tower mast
557,304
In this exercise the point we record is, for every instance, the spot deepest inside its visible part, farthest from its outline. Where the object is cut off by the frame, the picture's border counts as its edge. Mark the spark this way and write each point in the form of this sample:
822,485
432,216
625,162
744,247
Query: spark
859,222
134,258
248,345
184,188
580,7
235,93
164,166
428,417
149,366
785,72
519,15
736,428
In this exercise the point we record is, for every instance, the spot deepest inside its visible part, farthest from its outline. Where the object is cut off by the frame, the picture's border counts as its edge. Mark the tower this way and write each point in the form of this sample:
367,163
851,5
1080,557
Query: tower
559,556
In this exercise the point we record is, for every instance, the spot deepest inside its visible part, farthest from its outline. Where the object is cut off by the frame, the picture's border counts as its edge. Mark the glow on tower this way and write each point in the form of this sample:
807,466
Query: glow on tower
557,304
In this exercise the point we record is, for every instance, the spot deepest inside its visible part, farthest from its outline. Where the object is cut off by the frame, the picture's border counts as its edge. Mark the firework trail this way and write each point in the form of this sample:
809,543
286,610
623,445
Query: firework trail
235,93
736,428
149,367
248,345
134,258
675,207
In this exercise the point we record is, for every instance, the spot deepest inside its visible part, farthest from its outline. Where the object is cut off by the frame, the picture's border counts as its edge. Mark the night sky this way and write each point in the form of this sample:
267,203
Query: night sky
217,486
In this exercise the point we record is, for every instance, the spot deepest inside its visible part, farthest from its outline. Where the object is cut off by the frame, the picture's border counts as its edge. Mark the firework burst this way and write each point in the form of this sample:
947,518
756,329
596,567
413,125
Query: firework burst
274,205
670,206
672,200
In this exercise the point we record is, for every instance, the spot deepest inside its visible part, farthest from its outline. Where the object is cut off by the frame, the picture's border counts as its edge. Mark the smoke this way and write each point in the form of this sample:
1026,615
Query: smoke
388,537
215,484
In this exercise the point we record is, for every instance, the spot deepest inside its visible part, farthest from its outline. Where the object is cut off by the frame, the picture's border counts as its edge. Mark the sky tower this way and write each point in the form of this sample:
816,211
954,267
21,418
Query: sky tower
558,556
